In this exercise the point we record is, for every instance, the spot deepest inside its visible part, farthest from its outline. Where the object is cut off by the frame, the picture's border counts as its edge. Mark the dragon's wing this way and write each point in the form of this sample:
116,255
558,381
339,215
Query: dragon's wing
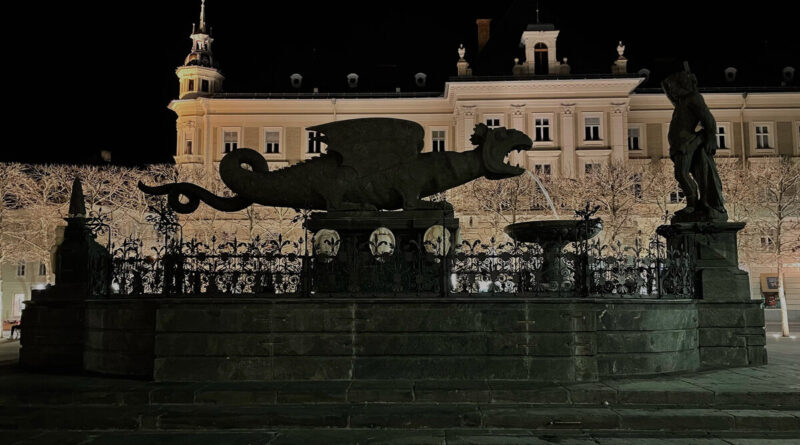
372,144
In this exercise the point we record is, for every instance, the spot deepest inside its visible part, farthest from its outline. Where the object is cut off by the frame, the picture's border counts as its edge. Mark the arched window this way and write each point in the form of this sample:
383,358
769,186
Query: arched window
540,61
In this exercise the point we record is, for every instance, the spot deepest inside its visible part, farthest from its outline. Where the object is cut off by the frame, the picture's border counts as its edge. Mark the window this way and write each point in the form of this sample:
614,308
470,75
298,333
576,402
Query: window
762,136
314,145
591,126
21,269
204,85
438,140
42,269
230,140
493,122
634,136
187,148
542,170
540,59
541,127
677,196
190,86
767,243
588,168
272,141
636,188
722,137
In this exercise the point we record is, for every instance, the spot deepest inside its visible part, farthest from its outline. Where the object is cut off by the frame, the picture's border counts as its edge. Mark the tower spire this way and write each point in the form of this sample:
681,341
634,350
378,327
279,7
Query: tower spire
203,16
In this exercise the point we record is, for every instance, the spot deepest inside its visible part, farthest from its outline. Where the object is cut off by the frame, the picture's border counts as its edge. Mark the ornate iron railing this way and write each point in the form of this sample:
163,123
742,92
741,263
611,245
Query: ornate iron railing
584,269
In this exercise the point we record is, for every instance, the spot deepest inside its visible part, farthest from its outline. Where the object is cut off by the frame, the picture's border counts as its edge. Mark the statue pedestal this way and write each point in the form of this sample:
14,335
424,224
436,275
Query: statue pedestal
730,324
387,262
714,250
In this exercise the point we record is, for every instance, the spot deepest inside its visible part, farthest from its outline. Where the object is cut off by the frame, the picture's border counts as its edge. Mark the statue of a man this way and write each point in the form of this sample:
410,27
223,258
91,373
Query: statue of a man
692,151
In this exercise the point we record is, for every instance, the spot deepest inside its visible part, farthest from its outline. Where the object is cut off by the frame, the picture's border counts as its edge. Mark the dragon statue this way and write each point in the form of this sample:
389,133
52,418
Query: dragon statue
370,164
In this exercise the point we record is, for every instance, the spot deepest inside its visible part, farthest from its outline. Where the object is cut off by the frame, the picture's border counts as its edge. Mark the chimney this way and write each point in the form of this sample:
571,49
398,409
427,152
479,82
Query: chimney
483,32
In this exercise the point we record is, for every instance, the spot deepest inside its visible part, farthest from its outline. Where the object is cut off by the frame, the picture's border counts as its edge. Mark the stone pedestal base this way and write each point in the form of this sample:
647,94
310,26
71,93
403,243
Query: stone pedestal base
730,324
53,330
714,249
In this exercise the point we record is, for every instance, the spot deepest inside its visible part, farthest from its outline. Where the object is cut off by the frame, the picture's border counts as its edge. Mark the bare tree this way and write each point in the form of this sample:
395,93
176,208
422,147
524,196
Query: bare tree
503,201
617,188
776,214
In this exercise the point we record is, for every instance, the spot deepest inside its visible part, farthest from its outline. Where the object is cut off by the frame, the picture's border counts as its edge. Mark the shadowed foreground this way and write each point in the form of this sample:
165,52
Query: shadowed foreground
733,406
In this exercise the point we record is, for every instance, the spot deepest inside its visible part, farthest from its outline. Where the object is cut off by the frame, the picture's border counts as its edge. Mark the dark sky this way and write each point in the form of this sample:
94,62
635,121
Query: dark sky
100,75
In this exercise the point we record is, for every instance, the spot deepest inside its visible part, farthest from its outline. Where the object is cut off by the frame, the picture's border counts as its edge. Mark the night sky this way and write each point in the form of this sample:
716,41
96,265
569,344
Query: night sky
93,76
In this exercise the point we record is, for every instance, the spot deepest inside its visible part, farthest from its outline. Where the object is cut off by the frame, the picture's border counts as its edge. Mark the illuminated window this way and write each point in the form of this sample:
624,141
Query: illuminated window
230,140
636,188
722,137
542,169
541,127
677,196
438,140
272,142
314,144
187,148
591,125
762,136
634,136
590,168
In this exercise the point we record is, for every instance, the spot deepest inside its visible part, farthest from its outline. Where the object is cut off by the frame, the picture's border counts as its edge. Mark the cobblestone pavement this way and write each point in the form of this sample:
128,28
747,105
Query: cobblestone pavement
740,406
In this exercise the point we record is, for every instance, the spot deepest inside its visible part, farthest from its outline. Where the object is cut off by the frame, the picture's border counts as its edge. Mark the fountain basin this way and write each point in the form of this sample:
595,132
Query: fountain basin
554,231
552,236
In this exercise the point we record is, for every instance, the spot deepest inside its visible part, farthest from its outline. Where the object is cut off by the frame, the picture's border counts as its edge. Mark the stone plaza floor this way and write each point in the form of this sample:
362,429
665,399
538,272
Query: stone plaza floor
758,405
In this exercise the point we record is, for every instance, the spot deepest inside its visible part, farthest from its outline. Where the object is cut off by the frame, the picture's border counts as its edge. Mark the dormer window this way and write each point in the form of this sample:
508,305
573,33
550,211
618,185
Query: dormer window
541,59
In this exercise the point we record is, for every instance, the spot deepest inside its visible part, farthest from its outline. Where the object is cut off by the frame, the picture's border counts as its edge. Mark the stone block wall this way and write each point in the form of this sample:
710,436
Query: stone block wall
731,334
120,337
416,338
647,338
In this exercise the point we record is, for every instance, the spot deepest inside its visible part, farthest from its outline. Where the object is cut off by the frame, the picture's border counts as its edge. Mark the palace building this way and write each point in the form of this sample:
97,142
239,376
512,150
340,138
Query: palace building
577,121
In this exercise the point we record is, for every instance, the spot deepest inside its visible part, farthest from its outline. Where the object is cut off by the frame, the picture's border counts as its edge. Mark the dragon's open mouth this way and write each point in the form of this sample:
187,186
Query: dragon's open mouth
497,155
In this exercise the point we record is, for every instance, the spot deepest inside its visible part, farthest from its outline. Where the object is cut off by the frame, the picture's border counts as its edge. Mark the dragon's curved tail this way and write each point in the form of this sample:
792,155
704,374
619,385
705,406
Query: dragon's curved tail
194,194
236,170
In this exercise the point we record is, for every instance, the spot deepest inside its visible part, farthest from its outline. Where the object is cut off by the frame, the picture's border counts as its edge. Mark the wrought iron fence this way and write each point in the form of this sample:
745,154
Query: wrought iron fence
279,266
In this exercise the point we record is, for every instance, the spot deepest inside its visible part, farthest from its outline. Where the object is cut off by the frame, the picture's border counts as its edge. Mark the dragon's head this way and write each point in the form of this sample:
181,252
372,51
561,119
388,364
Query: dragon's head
495,144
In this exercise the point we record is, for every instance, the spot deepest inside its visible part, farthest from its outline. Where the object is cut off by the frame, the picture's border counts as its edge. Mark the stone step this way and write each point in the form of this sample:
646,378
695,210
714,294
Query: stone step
472,436
715,392
397,416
